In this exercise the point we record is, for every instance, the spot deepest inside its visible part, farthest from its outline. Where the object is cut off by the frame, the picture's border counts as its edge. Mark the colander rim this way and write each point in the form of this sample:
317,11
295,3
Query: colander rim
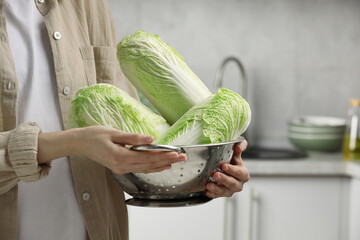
240,139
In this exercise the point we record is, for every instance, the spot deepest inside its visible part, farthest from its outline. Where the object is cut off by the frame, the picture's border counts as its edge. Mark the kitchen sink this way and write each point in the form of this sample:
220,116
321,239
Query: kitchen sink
261,153
255,152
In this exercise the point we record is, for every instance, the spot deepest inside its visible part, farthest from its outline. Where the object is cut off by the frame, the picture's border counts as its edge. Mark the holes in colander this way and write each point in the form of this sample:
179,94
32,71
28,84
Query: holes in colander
198,170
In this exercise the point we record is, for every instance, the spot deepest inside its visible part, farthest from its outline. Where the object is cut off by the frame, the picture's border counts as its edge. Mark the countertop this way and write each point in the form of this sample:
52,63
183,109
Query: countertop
316,164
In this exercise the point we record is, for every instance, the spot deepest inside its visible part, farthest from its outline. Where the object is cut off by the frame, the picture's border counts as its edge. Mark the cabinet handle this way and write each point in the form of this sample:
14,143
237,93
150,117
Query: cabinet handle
241,216
229,218
254,213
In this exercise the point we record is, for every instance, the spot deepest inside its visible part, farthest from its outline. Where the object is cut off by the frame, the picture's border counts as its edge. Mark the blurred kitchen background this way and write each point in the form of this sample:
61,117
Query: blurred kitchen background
301,57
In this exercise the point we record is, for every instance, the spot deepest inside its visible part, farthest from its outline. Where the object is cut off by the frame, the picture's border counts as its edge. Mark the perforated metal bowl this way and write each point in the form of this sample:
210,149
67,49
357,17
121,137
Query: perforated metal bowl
185,179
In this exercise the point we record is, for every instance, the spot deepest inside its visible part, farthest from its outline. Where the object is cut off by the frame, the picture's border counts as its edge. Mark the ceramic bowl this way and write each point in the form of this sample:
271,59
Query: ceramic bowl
317,133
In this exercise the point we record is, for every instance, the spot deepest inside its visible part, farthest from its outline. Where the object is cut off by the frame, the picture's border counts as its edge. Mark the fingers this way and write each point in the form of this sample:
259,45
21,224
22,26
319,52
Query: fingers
243,145
229,182
238,149
226,186
145,162
107,147
124,138
215,191
154,158
240,173
159,169
155,162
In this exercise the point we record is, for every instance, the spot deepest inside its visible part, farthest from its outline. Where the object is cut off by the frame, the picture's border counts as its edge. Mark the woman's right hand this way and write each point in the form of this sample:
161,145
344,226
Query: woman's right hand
106,146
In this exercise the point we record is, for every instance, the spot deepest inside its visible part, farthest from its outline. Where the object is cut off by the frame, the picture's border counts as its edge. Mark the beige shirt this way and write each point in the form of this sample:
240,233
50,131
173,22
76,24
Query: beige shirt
85,54
38,102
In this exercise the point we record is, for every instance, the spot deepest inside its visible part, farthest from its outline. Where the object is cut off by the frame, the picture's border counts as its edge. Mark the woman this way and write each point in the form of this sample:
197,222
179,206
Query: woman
49,50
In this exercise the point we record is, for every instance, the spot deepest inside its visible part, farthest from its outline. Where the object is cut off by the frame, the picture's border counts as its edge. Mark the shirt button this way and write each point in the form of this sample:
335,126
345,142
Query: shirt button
67,90
57,35
41,1
9,86
85,196
3,38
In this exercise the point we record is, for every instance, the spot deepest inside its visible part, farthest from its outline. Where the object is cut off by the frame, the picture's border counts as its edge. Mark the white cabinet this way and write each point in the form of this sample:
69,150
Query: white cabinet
269,208
204,221
354,210
293,207
300,200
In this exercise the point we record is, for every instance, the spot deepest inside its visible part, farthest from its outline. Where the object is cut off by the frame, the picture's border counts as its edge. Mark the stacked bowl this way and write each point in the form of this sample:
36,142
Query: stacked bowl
317,133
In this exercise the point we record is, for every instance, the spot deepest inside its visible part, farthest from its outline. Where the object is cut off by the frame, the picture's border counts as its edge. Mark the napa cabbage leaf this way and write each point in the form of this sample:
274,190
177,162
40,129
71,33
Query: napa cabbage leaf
221,117
160,74
107,105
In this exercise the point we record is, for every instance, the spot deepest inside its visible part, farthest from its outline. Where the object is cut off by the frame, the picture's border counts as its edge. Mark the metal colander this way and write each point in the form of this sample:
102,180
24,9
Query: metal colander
184,179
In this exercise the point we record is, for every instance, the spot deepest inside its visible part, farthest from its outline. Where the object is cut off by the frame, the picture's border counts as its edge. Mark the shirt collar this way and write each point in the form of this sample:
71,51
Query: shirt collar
1,7
45,6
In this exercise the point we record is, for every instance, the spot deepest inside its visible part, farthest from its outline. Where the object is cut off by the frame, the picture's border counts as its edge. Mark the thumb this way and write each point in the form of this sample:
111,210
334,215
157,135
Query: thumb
131,138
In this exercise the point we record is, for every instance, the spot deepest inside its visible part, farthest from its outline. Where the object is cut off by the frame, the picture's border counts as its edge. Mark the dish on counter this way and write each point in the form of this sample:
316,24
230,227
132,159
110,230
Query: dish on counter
317,133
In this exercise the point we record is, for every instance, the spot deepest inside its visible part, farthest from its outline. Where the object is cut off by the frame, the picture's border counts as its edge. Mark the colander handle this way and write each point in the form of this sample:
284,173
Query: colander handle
157,148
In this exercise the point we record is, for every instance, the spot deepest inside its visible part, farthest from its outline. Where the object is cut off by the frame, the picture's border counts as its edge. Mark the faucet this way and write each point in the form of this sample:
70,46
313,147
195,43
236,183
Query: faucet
220,73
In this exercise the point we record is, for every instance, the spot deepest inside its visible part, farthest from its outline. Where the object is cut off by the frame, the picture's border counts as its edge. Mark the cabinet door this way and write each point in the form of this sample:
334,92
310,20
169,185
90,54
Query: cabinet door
296,208
205,221
354,213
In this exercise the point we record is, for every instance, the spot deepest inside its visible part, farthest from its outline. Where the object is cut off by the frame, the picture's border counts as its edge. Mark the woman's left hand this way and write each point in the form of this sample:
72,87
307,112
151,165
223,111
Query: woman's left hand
234,176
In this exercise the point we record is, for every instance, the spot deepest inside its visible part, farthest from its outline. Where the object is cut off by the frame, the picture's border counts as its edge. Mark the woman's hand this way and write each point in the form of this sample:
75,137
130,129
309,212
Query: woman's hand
106,146
234,176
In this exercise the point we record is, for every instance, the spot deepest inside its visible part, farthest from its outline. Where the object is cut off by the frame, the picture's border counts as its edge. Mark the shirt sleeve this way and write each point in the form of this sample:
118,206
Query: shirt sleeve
18,156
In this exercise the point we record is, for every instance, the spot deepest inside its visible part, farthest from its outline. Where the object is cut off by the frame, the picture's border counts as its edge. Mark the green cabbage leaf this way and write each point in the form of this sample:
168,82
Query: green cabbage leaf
221,117
160,74
107,105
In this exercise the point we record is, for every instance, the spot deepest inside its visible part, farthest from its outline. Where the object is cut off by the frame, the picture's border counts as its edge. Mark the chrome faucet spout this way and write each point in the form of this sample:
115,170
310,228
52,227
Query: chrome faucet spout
220,73
219,78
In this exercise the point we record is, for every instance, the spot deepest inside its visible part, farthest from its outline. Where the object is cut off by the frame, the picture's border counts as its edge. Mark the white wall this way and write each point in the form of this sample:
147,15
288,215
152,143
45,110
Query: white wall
302,57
